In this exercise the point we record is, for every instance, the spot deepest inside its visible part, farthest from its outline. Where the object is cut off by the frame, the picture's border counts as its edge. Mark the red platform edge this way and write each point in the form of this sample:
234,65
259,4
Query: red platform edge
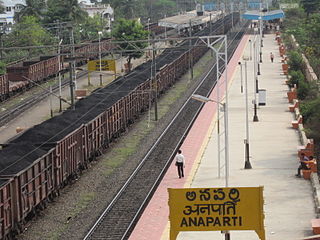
155,217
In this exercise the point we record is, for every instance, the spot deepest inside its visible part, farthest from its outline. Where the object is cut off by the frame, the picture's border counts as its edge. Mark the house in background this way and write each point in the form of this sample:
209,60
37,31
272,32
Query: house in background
7,18
103,10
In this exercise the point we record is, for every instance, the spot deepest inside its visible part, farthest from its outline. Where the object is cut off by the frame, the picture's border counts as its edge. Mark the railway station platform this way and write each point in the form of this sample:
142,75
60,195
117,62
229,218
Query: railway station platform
288,202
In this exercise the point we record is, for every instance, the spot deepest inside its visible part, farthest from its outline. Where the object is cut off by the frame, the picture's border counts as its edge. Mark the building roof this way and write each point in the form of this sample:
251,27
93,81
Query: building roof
255,15
183,20
8,3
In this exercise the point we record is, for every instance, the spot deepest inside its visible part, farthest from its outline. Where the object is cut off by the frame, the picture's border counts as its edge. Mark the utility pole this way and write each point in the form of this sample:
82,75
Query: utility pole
154,80
3,31
210,26
190,46
59,74
72,66
50,99
59,62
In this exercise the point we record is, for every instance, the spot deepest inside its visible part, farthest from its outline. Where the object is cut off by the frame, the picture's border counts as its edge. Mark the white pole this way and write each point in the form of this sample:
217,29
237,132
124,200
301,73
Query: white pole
250,49
226,132
100,51
218,113
148,36
50,99
254,68
247,112
165,29
59,75
99,33
226,127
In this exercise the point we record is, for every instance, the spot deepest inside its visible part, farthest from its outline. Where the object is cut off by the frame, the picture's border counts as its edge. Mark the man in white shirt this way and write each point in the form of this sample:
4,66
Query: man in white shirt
180,163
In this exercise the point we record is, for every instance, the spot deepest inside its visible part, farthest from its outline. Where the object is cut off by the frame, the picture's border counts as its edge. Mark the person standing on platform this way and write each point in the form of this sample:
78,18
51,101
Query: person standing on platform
180,163
271,57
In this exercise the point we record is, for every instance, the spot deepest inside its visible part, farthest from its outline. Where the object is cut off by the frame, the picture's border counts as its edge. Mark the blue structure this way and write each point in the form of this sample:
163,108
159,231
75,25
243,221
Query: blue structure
209,6
254,5
255,15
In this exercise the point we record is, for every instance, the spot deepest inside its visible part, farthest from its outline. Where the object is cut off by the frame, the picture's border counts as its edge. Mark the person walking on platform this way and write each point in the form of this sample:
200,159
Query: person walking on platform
180,163
271,57
303,164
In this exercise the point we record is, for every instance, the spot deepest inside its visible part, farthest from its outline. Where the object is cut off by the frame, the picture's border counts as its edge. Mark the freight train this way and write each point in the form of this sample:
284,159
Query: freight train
18,76
39,162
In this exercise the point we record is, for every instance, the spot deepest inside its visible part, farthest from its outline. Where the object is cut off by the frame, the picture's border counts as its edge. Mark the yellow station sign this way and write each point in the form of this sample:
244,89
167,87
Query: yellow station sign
106,65
216,209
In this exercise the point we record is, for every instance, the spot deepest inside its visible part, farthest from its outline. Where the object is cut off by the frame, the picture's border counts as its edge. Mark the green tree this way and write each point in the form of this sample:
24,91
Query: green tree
28,32
32,8
127,31
295,61
88,30
163,7
1,7
64,10
310,6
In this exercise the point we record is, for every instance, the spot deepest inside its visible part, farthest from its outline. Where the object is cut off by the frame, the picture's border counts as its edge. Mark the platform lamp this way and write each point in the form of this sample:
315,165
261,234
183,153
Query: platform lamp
247,164
226,134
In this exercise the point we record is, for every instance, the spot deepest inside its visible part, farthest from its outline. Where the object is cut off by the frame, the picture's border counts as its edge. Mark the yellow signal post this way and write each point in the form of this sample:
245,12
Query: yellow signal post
216,209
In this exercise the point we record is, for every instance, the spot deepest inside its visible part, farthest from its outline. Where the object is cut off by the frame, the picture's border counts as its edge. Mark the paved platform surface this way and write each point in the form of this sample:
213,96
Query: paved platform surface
288,200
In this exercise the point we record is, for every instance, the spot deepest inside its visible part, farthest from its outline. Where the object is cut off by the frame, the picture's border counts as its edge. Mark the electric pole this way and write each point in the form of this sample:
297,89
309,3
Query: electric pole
190,46
72,65
154,80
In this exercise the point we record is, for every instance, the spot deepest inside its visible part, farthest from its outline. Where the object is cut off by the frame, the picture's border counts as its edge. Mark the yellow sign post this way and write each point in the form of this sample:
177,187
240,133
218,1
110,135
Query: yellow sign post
106,65
216,209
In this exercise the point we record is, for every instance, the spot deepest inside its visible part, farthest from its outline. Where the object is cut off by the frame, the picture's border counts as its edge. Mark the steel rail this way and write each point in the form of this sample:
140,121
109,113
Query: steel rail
143,161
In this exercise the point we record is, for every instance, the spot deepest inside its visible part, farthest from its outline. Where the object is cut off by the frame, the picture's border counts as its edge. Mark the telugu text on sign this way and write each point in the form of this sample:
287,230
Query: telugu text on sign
216,209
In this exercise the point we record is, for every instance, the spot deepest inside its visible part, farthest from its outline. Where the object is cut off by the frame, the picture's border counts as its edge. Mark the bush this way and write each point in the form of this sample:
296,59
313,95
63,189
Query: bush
303,89
2,68
295,61
309,109
296,77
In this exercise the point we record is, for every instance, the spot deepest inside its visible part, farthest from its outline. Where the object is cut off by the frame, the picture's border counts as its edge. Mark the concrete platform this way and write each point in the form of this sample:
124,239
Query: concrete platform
288,200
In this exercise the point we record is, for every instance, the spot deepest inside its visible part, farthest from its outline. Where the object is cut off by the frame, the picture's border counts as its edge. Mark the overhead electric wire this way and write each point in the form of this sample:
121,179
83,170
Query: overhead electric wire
80,118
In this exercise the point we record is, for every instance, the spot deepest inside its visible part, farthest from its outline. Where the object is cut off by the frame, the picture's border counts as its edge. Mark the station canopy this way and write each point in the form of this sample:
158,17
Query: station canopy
269,15
183,20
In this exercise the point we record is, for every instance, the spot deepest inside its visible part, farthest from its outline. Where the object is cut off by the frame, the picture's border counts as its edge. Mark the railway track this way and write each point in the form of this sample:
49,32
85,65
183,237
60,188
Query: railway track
9,114
119,218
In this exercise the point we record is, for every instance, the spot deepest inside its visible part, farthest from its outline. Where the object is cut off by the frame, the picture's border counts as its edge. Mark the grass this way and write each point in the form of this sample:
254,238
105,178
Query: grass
83,202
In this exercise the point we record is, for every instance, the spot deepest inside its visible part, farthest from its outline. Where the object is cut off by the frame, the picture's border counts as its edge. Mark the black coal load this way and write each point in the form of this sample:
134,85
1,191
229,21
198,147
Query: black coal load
38,140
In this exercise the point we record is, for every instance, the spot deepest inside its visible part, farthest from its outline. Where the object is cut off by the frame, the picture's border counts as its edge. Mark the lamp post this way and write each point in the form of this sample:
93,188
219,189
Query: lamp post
226,132
100,33
241,88
250,49
261,41
255,79
256,50
247,164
